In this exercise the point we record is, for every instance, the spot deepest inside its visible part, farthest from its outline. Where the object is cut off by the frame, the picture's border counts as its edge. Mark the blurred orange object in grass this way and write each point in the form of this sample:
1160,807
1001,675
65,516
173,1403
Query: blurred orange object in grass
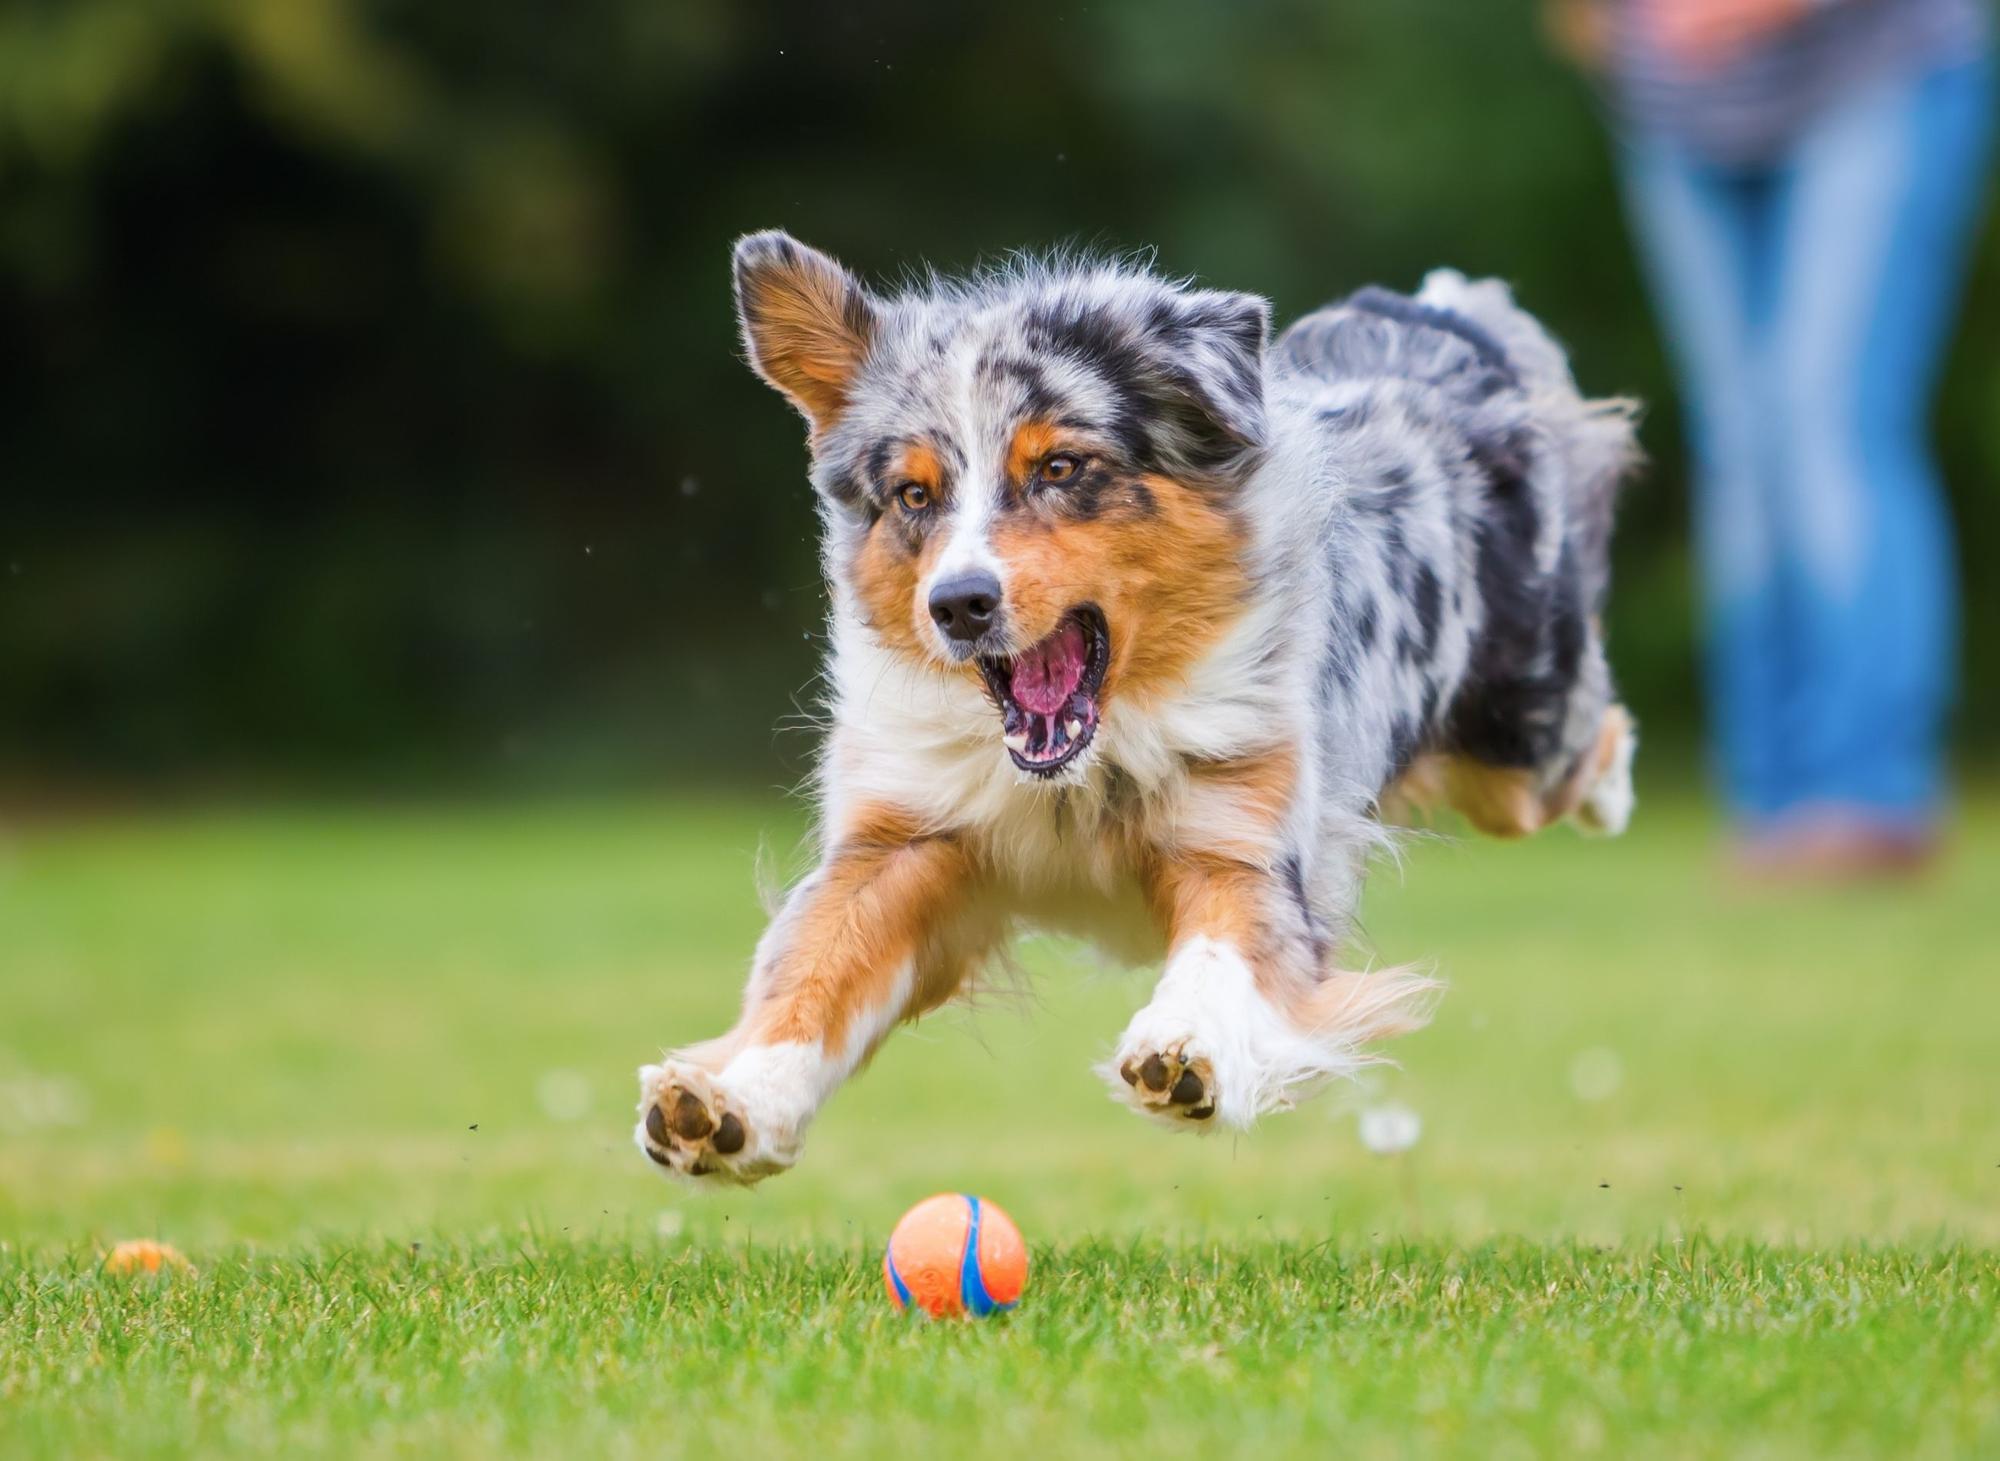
143,1255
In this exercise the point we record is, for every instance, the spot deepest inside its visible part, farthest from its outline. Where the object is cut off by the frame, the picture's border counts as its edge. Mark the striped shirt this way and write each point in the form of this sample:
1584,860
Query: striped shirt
1749,109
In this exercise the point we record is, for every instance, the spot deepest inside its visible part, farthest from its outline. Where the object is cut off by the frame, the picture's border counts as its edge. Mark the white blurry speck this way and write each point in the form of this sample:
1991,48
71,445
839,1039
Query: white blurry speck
1390,1128
773,600
564,1095
1596,1074
669,1223
690,486
588,550
33,1101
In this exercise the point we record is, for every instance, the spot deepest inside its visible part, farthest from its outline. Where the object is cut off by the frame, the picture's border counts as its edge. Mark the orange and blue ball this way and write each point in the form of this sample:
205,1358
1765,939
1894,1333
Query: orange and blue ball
955,1255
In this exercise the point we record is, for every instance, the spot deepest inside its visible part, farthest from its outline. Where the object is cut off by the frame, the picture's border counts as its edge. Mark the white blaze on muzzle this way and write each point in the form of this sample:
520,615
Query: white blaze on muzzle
967,549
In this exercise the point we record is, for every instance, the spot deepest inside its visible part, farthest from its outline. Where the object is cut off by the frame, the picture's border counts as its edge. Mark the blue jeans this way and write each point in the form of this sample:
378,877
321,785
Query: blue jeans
1808,303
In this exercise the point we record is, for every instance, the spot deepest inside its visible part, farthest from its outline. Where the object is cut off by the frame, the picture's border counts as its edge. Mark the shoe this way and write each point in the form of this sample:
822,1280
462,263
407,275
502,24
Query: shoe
1833,846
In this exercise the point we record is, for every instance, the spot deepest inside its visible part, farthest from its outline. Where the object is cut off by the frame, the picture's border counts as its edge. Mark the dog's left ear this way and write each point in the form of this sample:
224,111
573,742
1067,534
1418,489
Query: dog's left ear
1209,347
807,323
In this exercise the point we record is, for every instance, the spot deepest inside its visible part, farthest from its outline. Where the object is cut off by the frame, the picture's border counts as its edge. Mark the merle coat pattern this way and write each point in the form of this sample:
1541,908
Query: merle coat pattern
1142,624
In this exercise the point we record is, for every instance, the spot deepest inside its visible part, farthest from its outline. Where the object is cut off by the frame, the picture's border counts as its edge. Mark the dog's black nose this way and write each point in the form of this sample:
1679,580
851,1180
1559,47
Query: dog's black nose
964,606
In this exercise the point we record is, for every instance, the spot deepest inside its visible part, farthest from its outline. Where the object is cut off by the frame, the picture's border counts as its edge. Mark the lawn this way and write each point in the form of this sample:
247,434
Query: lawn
1702,1170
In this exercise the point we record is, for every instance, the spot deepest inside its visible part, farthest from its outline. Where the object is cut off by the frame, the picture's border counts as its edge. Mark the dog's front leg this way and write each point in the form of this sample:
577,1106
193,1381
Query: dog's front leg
877,934
1250,1014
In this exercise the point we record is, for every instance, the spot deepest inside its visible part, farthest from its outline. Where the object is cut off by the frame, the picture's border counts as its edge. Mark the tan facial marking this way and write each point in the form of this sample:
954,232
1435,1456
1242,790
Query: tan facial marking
886,572
1033,442
917,461
1168,581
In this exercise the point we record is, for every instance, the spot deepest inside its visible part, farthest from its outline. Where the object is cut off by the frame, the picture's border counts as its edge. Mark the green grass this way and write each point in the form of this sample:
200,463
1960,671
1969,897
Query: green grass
1230,1347
1702,1172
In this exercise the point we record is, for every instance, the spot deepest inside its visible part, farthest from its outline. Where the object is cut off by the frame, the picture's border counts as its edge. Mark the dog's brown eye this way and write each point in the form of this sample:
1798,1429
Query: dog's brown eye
914,496
1061,467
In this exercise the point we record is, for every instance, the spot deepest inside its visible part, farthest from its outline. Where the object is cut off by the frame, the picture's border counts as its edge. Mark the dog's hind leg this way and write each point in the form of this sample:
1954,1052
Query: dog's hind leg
1603,781
885,929
1523,752
1592,787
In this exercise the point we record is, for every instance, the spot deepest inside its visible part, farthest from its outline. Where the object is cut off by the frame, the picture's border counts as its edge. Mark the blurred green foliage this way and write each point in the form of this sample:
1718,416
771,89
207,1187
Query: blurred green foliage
370,402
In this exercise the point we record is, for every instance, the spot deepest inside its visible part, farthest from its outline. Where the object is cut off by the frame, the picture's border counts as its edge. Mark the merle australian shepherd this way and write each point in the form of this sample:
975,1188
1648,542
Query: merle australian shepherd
1142,625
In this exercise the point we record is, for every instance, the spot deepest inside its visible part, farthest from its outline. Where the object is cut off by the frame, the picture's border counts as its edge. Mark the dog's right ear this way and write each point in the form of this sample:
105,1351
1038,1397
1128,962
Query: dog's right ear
807,322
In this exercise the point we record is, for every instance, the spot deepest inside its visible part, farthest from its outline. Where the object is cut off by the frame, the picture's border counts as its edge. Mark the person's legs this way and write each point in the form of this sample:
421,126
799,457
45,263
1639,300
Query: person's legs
1704,237
1877,209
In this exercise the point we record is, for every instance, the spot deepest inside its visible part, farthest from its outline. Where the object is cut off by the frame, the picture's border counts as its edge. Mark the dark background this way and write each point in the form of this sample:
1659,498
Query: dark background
371,411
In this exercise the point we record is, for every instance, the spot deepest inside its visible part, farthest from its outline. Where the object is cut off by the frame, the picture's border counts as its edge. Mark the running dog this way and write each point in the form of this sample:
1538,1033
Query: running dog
1142,625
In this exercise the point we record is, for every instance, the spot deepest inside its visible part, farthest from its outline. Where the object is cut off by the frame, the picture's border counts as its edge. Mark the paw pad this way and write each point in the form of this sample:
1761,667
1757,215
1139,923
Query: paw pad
1172,1084
686,1129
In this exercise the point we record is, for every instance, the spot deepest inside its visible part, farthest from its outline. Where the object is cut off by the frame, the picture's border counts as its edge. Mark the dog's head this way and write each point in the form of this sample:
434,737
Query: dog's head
1028,477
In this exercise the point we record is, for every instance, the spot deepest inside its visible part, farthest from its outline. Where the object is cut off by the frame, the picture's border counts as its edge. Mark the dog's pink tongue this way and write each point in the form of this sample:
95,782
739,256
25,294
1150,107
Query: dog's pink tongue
1046,676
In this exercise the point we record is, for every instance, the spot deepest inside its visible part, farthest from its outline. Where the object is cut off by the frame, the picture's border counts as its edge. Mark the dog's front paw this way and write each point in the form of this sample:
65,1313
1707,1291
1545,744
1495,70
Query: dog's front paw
1173,1082
692,1126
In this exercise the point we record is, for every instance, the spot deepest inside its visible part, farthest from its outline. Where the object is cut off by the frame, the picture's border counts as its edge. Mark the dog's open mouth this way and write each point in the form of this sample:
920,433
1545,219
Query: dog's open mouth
1047,694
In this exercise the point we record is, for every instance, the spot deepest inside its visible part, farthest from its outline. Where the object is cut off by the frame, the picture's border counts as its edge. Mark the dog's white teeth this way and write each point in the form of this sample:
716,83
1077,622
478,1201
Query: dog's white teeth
1016,742
1074,727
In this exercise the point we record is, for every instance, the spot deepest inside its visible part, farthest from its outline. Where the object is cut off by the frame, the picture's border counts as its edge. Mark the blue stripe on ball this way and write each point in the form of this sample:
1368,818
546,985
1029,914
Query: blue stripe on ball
902,1289
971,1282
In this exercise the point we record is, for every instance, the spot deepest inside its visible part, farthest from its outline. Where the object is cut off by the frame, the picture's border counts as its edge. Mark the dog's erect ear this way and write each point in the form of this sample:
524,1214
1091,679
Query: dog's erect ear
1209,347
806,322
